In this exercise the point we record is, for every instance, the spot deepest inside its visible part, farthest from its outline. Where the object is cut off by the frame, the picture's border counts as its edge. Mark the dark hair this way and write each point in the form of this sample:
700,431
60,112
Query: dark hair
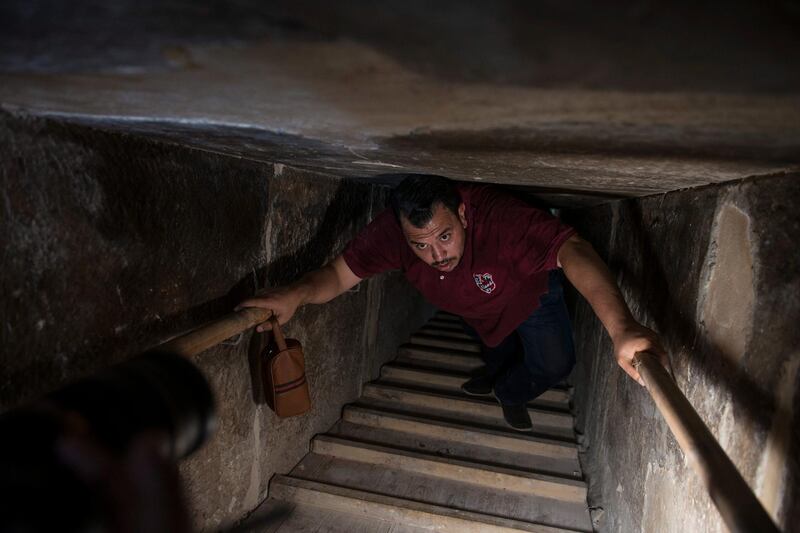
415,197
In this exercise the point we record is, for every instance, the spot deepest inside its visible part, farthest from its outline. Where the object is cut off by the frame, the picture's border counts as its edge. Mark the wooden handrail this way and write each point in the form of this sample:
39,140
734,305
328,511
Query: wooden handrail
213,333
740,509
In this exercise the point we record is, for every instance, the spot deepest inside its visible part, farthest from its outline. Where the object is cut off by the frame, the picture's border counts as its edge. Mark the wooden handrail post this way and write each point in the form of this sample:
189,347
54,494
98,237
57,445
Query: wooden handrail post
740,509
213,333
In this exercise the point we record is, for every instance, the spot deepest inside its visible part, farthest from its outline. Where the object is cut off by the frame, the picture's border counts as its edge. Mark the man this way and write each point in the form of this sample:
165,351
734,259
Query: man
495,261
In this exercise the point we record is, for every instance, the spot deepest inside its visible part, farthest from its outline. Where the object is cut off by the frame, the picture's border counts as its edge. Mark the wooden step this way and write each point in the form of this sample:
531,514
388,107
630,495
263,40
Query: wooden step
500,445
455,325
461,441
388,480
396,510
445,325
463,408
276,516
488,476
498,439
450,333
447,317
440,357
422,339
452,381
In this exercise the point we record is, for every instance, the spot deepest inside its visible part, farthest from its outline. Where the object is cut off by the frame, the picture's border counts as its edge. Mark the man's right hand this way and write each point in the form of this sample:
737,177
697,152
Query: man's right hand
282,301
316,287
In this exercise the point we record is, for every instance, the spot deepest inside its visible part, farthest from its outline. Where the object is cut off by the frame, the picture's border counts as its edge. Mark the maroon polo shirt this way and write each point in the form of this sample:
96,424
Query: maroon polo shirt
509,249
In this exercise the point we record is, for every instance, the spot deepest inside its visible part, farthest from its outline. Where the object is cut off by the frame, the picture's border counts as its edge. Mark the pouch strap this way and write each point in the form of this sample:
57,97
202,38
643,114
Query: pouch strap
276,331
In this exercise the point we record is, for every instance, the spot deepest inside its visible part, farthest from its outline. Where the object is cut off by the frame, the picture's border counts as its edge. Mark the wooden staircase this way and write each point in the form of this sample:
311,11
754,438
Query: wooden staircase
414,454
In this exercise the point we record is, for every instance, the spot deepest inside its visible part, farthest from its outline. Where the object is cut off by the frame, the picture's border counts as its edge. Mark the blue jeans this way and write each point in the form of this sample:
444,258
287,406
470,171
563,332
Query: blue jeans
538,354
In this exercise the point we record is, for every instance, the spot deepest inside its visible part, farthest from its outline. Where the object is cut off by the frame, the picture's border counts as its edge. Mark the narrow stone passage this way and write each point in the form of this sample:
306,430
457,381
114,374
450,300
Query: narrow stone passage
415,453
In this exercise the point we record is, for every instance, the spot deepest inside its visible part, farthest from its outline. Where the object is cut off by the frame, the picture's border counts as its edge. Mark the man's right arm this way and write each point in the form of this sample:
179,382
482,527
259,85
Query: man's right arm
316,287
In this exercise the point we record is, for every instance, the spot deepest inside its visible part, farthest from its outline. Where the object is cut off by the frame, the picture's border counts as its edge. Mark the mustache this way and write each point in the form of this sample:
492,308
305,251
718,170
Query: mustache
442,262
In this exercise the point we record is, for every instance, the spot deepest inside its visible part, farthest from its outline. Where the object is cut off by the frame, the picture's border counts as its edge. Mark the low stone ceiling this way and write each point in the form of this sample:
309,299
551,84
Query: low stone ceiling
571,103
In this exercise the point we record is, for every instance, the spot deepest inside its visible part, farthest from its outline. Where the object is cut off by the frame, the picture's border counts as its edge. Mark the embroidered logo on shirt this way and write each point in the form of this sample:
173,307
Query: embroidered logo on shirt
484,282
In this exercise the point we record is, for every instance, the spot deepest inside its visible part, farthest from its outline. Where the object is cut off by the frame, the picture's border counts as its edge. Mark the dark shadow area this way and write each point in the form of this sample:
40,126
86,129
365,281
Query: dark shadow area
613,139
258,342
627,44
345,209
127,36
110,241
541,197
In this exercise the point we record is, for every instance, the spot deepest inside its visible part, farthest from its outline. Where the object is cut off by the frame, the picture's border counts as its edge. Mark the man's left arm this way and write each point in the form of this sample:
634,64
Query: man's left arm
591,277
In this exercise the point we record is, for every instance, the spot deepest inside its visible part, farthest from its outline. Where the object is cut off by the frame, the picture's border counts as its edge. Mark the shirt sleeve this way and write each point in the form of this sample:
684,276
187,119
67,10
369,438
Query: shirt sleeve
528,237
376,248
539,240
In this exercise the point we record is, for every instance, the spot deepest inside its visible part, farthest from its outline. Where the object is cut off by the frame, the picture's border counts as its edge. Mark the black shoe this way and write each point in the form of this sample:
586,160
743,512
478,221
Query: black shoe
517,417
478,386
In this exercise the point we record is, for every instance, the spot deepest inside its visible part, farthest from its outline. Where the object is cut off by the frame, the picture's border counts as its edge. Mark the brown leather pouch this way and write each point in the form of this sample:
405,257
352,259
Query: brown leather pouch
284,375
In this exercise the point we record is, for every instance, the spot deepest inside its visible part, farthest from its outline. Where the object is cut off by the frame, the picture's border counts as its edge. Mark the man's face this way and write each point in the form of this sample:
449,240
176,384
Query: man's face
440,242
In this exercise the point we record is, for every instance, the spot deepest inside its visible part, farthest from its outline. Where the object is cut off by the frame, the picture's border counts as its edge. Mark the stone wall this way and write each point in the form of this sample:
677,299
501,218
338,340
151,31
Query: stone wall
716,271
113,243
